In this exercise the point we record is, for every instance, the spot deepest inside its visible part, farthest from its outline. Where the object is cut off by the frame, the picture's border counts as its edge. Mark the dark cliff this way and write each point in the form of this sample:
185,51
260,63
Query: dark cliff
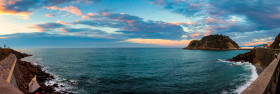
259,56
213,42
275,44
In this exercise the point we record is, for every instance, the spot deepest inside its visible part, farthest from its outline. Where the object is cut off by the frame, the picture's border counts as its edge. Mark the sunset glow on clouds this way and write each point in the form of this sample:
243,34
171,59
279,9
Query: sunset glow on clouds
259,41
71,9
161,42
135,22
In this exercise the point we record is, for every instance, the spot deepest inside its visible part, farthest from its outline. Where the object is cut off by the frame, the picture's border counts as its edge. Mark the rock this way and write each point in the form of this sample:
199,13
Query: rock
260,57
247,57
213,42
55,85
28,71
275,44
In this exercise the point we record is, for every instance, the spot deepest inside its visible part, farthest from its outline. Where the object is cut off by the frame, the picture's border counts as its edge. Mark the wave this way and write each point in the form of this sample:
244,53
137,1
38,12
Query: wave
252,78
62,86
220,60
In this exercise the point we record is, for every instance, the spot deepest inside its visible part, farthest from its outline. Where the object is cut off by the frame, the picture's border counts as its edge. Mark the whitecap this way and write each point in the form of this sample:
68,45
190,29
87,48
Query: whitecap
62,86
220,60
253,76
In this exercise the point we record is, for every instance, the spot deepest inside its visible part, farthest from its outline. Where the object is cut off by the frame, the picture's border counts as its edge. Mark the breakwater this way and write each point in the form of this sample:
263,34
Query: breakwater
268,80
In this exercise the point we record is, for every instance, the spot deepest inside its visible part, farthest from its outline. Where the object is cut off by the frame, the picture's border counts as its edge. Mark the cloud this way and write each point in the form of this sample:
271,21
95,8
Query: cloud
44,39
226,17
89,15
71,9
64,23
135,27
24,8
195,35
161,42
181,23
89,30
206,33
63,28
47,26
49,15
258,41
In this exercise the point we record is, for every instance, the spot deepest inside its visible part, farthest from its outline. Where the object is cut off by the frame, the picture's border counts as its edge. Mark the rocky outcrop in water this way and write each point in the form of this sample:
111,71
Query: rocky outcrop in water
213,42
247,57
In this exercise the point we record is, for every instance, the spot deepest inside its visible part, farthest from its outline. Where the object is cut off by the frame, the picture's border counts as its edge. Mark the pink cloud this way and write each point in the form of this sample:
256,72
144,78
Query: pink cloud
213,28
105,14
206,33
40,29
195,35
179,23
89,15
5,10
62,30
11,2
213,20
162,42
254,43
64,23
275,16
71,9
259,41
49,15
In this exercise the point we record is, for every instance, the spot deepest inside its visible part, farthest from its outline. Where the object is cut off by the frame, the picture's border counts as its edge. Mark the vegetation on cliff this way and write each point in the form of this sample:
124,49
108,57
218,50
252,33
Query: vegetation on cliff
213,42
275,44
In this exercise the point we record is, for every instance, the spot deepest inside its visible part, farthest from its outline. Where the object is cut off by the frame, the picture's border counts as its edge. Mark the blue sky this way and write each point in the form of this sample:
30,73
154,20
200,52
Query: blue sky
135,23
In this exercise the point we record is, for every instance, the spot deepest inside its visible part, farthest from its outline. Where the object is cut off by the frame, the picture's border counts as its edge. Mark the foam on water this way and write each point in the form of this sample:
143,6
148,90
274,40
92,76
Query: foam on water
246,66
57,80
62,86
222,60
253,76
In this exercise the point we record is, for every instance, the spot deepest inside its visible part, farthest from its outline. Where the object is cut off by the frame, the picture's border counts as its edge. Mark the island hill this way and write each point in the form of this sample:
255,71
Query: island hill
213,42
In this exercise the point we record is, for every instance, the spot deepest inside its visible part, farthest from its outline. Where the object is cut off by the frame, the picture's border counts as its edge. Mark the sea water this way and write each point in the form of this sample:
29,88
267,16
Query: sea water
143,70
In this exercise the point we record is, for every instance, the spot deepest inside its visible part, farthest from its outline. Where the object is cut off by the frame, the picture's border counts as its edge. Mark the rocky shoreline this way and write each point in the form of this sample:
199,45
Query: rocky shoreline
259,57
27,71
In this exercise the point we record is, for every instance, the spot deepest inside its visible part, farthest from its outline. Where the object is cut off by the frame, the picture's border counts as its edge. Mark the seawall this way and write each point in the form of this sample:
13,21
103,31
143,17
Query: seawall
8,74
268,80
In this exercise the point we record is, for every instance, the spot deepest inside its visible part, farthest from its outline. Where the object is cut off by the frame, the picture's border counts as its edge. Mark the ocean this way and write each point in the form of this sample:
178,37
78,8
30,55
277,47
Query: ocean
143,70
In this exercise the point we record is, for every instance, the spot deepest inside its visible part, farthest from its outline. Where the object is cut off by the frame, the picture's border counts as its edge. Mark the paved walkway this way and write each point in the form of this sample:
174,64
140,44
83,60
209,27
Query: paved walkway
6,88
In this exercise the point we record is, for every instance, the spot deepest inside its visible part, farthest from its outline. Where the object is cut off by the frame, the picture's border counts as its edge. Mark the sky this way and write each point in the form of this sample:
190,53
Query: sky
135,23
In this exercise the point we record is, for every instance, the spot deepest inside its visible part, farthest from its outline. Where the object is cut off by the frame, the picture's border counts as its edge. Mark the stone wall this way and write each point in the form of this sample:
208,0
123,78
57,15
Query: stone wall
6,65
267,82
8,73
264,56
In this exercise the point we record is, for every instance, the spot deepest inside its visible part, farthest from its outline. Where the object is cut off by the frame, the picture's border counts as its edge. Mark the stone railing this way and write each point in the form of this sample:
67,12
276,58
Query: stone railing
267,82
